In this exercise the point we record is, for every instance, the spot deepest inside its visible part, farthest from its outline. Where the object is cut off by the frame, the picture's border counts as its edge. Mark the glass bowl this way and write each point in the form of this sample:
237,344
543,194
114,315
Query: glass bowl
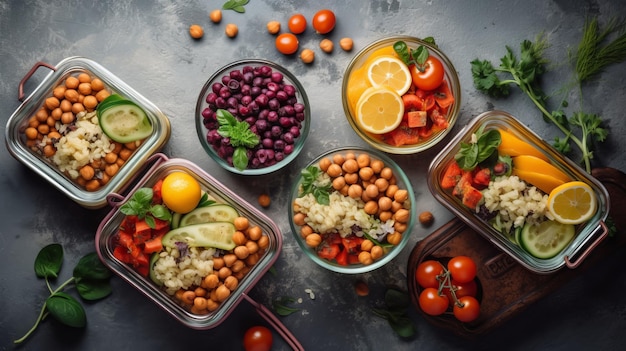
587,235
89,195
352,89
260,100
106,241
350,222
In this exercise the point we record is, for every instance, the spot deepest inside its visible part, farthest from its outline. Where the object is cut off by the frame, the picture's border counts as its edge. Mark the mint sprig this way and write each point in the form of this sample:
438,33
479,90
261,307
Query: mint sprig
240,135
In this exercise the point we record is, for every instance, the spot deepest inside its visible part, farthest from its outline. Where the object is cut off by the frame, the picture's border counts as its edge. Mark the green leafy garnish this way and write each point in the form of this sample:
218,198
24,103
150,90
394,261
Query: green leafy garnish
281,306
140,205
309,185
417,57
473,153
595,52
240,135
90,278
396,304
235,5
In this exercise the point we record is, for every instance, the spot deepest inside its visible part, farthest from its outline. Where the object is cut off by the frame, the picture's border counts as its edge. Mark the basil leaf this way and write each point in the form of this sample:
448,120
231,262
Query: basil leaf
91,289
49,260
90,267
240,158
66,310
487,144
161,212
402,50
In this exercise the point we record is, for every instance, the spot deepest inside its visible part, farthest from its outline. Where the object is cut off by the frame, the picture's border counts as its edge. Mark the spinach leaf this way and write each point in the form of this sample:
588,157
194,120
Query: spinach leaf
49,260
90,267
66,310
396,304
281,308
93,289
235,5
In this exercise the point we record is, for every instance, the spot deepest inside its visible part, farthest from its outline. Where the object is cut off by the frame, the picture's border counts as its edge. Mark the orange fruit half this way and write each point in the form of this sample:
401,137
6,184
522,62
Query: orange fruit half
572,202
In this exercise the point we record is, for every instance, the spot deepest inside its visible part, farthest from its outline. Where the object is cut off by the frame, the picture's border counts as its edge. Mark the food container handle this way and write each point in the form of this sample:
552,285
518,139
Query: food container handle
575,263
276,323
20,89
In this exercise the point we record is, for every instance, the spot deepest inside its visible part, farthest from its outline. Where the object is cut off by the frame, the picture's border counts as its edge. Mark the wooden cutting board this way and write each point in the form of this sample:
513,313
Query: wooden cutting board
506,287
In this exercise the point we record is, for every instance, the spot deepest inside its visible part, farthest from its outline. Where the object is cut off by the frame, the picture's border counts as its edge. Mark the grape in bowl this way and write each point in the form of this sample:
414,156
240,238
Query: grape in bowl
252,117
351,210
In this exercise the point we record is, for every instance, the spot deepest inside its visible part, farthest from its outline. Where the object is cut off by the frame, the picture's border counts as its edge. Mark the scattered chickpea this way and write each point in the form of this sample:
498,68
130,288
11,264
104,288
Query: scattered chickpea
215,16
196,31
346,44
361,288
307,56
426,218
231,30
327,45
273,27
264,200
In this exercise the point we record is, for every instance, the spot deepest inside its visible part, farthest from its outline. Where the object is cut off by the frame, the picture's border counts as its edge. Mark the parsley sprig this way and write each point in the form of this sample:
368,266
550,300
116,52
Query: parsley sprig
310,185
525,73
240,135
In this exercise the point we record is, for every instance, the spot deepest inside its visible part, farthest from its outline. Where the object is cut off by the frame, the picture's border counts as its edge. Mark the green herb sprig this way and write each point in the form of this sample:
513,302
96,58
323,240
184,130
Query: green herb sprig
309,185
281,306
235,5
90,278
140,205
485,147
396,304
417,56
240,135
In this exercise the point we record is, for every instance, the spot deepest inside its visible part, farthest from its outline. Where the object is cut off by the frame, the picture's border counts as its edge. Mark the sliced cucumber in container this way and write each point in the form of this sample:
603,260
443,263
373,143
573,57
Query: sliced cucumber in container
212,213
123,120
547,239
216,234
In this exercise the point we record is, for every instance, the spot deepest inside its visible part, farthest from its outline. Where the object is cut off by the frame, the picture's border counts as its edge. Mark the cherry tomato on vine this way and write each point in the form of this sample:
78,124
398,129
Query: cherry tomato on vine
427,272
297,23
462,269
287,43
467,310
258,338
461,290
432,75
324,21
432,303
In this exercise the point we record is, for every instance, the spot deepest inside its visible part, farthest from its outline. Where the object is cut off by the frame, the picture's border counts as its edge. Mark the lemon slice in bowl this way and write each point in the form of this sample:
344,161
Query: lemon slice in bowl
390,72
379,110
572,202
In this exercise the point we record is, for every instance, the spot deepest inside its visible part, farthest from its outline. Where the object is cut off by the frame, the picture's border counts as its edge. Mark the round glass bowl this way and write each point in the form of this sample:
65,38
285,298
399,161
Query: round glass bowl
266,96
346,213
352,90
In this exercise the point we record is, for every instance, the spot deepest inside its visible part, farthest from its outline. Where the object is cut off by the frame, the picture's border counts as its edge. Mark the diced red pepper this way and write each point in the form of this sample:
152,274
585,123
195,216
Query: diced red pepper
342,257
451,176
416,118
153,245
328,251
471,196
482,177
352,244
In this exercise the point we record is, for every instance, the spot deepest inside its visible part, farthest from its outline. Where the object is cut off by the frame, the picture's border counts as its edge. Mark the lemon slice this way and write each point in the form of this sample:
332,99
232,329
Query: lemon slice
572,202
390,72
379,110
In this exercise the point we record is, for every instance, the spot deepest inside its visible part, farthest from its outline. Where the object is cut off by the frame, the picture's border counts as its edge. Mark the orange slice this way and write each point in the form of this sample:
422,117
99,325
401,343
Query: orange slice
379,110
357,84
572,202
390,72
514,146
530,163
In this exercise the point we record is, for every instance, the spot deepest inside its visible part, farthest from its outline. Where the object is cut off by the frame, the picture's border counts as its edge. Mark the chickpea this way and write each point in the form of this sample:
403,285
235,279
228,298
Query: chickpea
363,160
327,45
402,215
111,169
90,102
350,166
102,94
400,227
339,159
252,246
344,191
386,173
307,56
377,166
31,133
199,303
324,164
224,272
252,259
241,252
371,207
255,233
241,223
200,291
334,170
366,173
71,95
72,82
84,88
346,44
305,230
49,150
264,200
384,203
222,293
350,155
231,30
239,238
52,102
218,263
59,92
401,195
42,115
381,184
273,27
426,218
43,129
366,245
237,266
298,218
371,191
365,258
313,240
80,181
263,242
211,281
384,216
188,297
56,114
125,154
77,108
394,238
50,122
229,259
196,31
97,84
351,178
361,288
355,191
110,157
104,178
391,190
87,172
211,305
231,283
395,206
376,252
339,183
215,16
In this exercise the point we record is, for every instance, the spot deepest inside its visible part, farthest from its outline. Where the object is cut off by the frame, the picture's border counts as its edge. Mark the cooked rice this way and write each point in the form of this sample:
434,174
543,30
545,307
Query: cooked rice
178,272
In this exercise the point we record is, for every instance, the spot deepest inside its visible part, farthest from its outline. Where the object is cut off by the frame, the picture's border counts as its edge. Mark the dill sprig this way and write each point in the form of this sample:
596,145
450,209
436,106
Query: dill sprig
597,49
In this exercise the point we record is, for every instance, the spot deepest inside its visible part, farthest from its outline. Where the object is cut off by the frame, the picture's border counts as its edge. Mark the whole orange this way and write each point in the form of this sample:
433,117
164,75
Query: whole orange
181,192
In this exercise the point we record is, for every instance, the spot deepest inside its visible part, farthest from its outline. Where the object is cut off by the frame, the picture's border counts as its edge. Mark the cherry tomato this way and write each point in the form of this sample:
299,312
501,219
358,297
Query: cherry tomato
432,303
297,23
324,21
427,272
462,269
287,43
465,289
432,75
258,338
467,310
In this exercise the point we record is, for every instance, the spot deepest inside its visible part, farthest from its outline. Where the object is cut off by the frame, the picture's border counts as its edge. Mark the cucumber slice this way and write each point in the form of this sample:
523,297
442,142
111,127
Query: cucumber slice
217,234
176,220
212,213
153,259
547,239
109,101
124,121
